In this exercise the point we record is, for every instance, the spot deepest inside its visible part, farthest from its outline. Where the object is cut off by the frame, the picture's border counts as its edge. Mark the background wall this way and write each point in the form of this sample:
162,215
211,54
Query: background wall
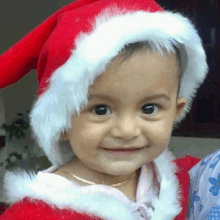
17,18
2,113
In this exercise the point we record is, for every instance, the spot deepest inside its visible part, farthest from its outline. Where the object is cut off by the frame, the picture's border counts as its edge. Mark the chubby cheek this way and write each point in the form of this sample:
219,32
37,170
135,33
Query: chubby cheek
159,134
88,137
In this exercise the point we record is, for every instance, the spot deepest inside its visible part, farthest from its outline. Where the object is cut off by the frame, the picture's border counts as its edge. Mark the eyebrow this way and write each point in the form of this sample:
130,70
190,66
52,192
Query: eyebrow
156,96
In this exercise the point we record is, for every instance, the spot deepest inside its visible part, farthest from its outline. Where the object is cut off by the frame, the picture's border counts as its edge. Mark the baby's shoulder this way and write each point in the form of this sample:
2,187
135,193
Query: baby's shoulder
64,172
70,171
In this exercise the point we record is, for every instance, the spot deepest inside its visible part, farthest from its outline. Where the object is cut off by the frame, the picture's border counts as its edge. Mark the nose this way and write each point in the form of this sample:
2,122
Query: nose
126,127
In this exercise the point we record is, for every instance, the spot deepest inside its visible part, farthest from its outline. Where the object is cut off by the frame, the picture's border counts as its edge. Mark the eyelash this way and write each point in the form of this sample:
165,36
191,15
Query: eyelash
151,104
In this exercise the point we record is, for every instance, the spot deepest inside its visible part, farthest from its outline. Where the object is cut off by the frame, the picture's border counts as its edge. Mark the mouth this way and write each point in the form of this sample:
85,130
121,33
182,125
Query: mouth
123,151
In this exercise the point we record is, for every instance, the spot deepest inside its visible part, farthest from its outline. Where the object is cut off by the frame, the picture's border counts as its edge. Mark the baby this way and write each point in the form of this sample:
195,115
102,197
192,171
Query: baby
128,120
115,78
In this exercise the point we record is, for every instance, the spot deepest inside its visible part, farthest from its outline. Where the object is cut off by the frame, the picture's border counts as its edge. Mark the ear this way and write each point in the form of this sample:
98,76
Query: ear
180,104
64,137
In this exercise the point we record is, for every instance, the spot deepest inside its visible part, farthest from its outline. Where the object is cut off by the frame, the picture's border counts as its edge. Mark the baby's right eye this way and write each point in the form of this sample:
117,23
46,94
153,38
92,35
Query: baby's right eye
100,109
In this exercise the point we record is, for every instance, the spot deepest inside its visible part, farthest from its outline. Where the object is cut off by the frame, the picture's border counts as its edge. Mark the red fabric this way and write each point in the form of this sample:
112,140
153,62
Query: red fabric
58,48
49,45
23,56
2,209
38,210
184,165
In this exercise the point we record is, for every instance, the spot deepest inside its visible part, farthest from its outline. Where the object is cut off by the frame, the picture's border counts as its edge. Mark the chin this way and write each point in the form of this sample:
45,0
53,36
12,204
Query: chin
123,172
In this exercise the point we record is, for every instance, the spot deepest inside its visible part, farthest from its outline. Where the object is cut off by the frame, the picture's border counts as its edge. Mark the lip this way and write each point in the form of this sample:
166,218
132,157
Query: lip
124,148
123,151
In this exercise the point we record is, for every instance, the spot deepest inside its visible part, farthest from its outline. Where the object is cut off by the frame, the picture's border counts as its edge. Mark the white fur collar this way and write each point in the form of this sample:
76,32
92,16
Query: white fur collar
57,190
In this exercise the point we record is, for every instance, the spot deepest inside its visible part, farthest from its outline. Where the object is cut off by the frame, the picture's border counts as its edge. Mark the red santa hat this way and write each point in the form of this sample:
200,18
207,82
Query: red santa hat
75,45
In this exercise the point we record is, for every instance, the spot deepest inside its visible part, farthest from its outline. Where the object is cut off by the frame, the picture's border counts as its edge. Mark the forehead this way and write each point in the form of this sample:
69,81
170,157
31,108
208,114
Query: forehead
148,71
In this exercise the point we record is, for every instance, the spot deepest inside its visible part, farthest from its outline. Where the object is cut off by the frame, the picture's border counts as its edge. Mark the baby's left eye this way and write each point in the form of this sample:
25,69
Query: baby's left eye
149,108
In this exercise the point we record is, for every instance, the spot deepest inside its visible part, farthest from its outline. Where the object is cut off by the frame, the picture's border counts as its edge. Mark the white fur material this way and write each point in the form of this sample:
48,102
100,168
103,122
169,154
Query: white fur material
170,190
69,84
97,200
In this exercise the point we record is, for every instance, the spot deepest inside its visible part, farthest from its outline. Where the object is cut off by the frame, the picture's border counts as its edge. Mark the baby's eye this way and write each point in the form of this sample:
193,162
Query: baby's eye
100,109
150,108
103,109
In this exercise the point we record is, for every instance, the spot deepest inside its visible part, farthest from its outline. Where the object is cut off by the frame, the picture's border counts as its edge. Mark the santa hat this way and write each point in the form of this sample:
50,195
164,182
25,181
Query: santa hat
75,45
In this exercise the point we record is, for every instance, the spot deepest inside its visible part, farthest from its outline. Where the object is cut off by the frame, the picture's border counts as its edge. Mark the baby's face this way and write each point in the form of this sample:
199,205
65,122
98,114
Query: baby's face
133,104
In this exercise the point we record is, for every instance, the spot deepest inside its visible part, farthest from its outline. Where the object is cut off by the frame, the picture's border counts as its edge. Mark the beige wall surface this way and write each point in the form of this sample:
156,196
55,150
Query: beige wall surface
197,147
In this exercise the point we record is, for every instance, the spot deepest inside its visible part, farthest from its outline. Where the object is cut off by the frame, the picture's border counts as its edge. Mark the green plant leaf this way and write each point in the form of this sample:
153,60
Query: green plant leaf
19,157
17,129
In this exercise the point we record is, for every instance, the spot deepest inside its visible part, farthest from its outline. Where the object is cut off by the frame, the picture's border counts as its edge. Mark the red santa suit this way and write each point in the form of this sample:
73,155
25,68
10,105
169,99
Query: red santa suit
162,194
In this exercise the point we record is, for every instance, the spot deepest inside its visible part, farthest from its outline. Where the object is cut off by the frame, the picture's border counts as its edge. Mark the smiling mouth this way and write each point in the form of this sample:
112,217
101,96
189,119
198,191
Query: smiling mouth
122,151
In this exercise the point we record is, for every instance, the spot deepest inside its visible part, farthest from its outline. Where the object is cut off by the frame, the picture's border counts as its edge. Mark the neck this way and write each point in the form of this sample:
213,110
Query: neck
77,168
